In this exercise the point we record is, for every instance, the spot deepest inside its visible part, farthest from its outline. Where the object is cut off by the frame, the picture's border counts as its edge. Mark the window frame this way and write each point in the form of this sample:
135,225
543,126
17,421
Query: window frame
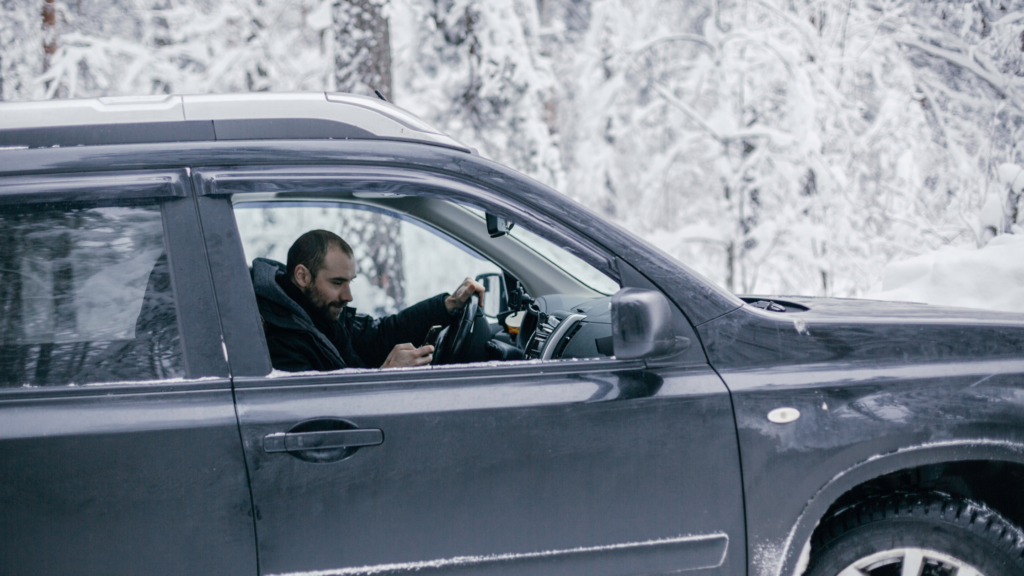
228,181
216,187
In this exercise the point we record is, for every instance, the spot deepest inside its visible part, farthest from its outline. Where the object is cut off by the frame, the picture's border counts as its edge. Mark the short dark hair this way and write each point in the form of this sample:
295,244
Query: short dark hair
311,248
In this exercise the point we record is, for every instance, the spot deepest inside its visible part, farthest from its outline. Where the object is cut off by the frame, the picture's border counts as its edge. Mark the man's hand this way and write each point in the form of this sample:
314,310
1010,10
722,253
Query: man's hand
407,355
463,293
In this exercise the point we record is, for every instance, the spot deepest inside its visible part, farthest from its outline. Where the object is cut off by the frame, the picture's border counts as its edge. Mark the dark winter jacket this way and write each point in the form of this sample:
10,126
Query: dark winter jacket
357,341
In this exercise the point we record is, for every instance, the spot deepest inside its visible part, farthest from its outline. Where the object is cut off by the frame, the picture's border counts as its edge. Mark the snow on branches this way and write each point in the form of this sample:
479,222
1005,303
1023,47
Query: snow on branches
779,147
796,147
474,69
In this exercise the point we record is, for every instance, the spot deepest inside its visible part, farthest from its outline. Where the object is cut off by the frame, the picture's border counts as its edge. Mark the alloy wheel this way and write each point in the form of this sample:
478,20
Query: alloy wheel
909,562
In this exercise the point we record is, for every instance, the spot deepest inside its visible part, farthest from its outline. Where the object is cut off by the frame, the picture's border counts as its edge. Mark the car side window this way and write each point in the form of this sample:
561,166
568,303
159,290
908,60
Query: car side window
542,301
85,296
400,262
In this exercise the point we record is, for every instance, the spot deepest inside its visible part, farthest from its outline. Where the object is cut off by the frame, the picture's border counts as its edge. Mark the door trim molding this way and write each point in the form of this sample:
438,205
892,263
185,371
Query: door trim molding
626,559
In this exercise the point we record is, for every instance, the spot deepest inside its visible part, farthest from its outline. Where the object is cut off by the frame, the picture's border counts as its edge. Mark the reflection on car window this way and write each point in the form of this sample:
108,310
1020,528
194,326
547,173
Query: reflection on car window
85,297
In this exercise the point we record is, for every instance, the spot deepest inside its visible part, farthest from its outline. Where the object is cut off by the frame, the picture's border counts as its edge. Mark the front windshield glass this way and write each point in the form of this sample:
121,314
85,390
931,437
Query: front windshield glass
560,257
565,260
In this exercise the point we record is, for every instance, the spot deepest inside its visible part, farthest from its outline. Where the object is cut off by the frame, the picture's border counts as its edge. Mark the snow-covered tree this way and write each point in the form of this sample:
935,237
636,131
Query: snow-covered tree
787,146
362,61
189,46
474,69
781,147
362,65
21,50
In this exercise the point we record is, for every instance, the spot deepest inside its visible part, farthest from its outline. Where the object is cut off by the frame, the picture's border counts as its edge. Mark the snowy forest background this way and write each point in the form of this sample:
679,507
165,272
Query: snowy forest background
817,147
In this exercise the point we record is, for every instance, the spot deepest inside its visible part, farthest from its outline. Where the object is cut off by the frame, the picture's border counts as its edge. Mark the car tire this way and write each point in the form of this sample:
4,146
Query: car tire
944,536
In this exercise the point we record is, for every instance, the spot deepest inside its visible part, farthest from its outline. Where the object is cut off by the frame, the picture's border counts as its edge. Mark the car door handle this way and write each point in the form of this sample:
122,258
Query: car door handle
299,441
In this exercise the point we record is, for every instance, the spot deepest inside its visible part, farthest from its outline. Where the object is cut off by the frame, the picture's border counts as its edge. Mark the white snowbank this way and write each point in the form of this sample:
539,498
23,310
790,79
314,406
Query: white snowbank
990,278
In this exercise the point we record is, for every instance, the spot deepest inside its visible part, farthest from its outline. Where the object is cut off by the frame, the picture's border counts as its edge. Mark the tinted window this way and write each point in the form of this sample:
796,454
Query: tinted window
85,296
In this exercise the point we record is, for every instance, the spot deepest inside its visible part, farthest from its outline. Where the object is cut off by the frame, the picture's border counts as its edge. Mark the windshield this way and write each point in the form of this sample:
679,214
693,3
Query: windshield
559,257
569,263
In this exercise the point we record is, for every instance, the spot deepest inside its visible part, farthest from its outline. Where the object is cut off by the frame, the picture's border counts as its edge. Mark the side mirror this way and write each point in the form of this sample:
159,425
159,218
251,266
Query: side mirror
496,300
498,226
641,324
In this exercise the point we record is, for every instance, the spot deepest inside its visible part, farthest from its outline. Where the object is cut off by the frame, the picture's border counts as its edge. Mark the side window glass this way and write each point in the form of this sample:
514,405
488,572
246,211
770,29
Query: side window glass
400,262
85,296
541,303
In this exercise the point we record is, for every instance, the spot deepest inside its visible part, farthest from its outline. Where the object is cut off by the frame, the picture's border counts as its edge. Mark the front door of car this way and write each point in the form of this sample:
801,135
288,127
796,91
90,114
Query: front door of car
597,467
119,448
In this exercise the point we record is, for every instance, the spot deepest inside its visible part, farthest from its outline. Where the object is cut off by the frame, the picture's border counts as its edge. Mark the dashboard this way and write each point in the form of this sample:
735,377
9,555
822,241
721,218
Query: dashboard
558,326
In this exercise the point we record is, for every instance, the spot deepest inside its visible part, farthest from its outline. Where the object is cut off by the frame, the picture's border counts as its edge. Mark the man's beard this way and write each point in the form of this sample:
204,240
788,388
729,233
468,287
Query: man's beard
326,310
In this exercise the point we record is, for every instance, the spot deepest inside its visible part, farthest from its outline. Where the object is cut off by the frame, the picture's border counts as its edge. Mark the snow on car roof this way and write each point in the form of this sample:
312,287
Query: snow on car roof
207,117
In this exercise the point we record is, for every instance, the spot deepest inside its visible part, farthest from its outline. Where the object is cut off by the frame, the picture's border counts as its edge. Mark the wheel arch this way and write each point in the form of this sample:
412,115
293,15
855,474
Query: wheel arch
799,537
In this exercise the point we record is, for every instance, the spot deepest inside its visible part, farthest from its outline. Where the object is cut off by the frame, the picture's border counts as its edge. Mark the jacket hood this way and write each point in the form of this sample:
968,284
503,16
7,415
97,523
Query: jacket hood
285,313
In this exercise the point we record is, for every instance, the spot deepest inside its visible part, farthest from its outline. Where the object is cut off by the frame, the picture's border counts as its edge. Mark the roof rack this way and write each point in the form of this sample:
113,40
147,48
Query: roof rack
211,117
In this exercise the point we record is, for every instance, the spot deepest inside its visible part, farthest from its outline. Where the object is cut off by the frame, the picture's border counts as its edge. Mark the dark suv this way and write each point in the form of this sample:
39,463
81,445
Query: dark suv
607,412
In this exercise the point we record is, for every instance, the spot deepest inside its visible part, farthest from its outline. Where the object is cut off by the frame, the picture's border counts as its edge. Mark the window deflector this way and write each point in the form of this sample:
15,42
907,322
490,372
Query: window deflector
99,186
326,182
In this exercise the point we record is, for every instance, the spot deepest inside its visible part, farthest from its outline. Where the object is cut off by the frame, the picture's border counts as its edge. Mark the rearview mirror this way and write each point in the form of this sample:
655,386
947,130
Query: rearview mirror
498,226
496,300
641,324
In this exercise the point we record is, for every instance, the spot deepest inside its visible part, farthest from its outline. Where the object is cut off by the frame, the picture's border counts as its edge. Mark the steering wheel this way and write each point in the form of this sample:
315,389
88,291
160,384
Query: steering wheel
451,346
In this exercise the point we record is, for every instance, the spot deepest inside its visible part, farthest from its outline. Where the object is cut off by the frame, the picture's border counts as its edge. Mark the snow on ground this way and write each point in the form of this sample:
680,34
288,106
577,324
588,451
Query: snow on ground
991,277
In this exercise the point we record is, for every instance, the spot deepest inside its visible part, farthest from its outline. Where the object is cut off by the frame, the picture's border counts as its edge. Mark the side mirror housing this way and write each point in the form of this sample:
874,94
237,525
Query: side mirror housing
641,324
496,300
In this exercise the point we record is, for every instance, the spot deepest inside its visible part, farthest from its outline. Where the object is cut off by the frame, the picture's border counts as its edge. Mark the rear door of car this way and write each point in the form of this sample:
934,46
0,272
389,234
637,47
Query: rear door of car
603,467
119,447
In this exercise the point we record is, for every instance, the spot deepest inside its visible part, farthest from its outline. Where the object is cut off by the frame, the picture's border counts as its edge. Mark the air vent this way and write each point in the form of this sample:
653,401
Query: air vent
773,305
545,327
558,348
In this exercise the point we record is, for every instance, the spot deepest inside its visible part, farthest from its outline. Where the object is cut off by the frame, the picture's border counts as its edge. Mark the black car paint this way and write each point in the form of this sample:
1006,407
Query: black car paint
880,386
581,486
107,479
121,482
479,463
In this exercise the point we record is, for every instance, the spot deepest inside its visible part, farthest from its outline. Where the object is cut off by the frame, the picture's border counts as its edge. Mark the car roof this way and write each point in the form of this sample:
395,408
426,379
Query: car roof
211,117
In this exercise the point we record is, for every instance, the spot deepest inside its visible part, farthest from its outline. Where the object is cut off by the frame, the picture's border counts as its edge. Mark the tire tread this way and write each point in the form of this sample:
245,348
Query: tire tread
972,516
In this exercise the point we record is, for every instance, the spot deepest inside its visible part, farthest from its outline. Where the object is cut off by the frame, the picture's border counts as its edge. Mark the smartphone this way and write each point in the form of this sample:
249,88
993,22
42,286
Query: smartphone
432,336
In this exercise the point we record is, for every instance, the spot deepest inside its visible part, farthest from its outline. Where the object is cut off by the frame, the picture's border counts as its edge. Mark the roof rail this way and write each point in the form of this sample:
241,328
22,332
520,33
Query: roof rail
211,117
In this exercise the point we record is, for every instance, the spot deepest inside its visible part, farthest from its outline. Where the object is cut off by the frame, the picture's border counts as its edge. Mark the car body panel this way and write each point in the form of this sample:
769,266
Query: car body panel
123,477
568,466
126,483
502,462
880,387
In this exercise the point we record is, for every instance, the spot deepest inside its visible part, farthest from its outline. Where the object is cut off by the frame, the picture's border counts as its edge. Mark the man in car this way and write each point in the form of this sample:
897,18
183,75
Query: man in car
309,325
